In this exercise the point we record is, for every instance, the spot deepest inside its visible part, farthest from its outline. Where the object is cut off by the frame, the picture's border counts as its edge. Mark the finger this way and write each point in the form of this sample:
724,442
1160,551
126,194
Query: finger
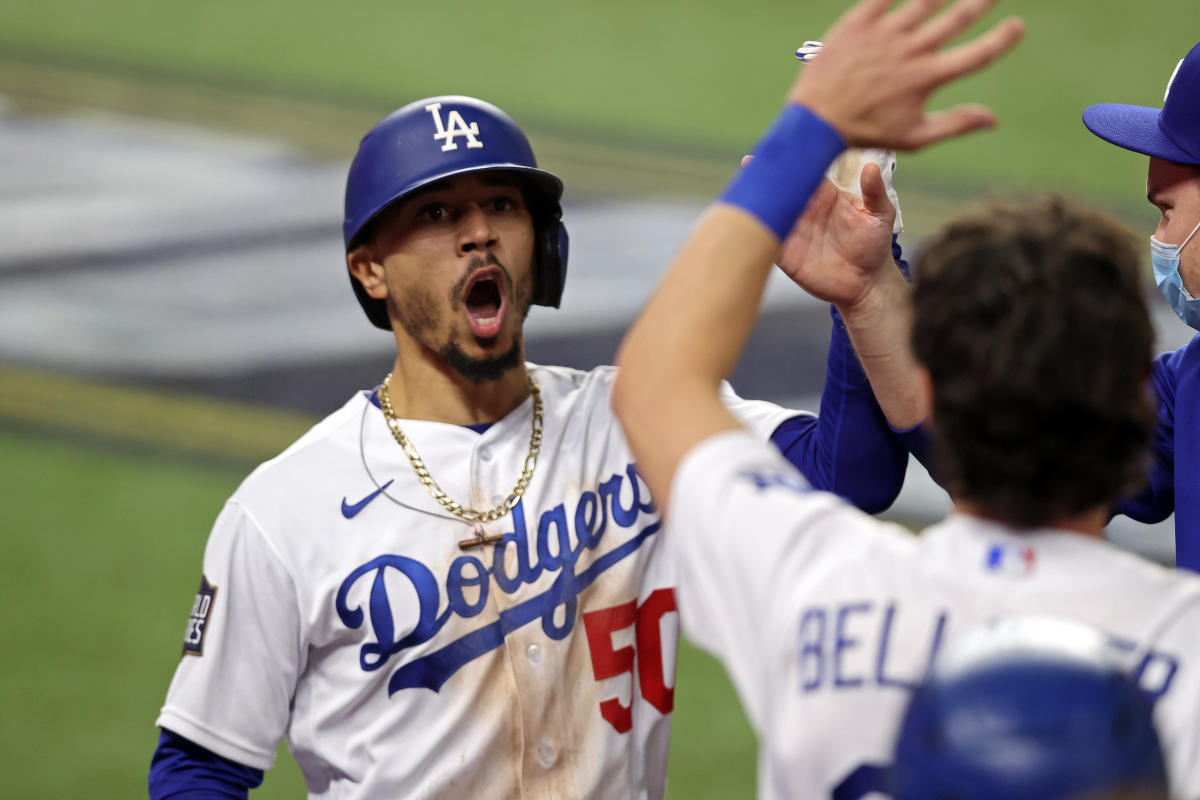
958,18
948,124
913,13
978,53
863,11
874,193
746,160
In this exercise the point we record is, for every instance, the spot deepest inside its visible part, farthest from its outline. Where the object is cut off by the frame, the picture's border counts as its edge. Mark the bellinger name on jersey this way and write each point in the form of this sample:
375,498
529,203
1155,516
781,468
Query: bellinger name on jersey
848,645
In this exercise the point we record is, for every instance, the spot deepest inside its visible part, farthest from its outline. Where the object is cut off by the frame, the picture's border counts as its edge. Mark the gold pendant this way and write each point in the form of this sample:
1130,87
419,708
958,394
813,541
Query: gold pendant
480,539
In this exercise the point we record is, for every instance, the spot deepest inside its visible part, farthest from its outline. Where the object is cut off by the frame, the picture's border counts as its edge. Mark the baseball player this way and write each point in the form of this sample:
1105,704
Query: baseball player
1034,342
1029,709
452,586
1170,136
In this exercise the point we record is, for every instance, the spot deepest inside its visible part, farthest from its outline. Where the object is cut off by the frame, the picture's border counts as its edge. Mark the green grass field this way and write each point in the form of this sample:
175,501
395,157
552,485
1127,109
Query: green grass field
661,76
103,558
104,535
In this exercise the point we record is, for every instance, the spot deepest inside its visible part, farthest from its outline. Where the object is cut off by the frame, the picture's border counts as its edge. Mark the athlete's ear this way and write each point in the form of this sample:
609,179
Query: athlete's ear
362,263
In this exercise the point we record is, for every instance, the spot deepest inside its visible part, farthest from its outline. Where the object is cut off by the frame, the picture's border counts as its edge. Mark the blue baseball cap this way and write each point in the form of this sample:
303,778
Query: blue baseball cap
1171,132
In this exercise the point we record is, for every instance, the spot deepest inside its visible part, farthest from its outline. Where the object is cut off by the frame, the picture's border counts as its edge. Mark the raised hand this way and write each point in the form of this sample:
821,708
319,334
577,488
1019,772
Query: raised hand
841,246
880,100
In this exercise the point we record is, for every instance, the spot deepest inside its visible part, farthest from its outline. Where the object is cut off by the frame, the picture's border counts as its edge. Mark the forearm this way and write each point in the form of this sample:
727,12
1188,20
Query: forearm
880,326
673,360
690,335
867,461
848,449
183,770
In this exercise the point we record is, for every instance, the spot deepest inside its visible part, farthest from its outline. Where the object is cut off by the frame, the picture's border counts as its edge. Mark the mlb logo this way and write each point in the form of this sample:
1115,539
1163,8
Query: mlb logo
1010,559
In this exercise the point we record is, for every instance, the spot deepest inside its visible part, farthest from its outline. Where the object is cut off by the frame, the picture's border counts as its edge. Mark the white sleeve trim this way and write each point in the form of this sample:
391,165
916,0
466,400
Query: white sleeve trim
189,728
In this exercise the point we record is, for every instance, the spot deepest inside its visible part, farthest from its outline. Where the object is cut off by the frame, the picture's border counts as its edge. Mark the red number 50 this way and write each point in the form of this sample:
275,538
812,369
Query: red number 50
609,663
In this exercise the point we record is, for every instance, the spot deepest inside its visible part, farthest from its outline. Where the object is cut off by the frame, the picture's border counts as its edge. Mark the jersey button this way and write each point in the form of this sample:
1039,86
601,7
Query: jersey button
545,753
533,653
485,453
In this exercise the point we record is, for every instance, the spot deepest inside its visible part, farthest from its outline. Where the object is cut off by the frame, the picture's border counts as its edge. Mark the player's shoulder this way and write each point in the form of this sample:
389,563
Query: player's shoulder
745,477
1183,358
1168,603
315,455
571,379
1178,588
573,390
1145,577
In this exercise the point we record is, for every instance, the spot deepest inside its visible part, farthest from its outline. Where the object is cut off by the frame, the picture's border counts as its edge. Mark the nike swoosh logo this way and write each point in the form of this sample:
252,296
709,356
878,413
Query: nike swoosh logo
350,511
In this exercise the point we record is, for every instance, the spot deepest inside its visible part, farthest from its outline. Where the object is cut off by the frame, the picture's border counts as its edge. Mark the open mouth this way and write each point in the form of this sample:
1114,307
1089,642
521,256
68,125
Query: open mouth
483,301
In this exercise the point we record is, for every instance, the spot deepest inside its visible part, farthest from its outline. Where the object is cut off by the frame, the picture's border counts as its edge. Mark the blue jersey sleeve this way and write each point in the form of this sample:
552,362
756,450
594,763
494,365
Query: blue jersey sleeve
1156,501
848,449
183,770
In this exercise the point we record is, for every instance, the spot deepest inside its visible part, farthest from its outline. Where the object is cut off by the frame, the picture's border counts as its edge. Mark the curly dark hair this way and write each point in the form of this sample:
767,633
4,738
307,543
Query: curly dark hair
1032,323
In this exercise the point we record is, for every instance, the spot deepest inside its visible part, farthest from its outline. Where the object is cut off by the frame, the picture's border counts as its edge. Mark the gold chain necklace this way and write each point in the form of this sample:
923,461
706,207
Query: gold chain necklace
453,506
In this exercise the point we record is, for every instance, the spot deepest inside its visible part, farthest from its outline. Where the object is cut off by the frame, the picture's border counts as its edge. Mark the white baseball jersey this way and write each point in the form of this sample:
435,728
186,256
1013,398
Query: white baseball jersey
337,607
826,619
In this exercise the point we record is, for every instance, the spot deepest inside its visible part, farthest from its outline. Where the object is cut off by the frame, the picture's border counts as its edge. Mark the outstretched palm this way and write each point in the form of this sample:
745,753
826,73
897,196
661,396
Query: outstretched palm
840,246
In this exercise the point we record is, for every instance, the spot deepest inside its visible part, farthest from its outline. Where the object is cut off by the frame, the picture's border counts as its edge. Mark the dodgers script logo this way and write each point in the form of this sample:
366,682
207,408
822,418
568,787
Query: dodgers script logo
561,538
457,126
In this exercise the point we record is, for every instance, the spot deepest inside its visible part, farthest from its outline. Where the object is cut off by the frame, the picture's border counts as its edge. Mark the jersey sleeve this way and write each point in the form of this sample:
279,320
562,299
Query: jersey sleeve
1156,500
744,527
242,649
847,448
1172,676
761,417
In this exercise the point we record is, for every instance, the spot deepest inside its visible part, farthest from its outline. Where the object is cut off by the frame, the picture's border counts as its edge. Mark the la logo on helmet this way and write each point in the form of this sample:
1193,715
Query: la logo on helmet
457,127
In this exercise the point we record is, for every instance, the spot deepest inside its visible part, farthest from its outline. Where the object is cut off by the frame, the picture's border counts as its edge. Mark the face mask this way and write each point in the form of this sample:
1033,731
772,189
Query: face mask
1165,258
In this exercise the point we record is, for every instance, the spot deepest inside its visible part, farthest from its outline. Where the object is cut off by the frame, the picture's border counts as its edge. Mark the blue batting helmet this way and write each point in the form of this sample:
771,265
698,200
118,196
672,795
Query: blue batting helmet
1030,709
439,137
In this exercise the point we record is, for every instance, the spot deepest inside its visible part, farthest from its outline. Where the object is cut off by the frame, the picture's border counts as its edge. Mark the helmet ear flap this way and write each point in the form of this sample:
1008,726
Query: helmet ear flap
376,310
553,244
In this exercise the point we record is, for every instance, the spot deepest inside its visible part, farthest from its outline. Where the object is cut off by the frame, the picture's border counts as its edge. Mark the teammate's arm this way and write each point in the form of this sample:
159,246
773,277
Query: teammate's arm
183,770
840,251
848,448
1156,501
695,326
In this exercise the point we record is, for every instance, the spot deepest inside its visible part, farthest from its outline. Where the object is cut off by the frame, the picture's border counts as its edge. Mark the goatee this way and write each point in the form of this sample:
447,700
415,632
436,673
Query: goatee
478,370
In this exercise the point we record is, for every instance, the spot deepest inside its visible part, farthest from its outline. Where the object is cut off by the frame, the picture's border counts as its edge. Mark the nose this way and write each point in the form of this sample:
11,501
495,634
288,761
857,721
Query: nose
475,231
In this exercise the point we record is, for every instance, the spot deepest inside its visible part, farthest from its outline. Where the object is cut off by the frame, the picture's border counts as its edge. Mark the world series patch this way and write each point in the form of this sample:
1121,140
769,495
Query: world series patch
193,638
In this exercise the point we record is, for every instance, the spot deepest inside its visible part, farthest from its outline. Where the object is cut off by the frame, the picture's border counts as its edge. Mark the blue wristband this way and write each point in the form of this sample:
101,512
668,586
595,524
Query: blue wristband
789,162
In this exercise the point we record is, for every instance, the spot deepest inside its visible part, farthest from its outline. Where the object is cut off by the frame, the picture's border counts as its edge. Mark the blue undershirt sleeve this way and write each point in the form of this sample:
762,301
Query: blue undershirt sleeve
848,448
183,770
1156,501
